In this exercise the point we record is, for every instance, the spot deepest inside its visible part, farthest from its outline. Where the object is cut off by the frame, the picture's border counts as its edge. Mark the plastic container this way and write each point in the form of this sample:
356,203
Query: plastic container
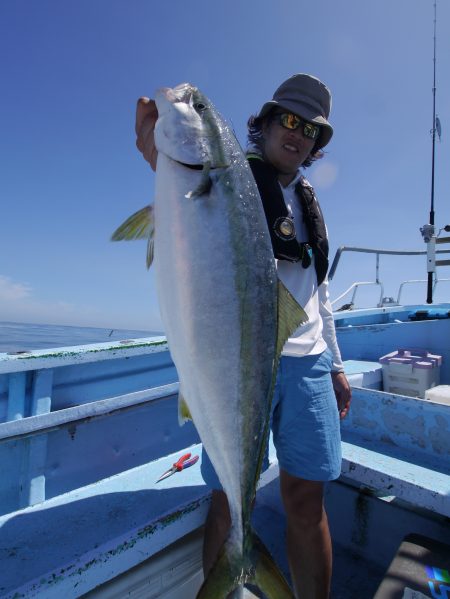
410,372
439,394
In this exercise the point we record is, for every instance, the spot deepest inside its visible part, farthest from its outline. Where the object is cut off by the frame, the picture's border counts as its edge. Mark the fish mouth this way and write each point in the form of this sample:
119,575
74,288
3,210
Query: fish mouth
201,167
194,167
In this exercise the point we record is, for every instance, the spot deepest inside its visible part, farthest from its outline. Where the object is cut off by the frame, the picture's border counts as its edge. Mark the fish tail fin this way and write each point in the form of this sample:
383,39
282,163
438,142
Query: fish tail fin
266,575
230,573
225,576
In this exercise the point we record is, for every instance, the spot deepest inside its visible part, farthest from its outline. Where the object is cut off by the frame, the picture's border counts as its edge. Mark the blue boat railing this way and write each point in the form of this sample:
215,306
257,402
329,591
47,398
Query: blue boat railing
79,502
61,408
32,426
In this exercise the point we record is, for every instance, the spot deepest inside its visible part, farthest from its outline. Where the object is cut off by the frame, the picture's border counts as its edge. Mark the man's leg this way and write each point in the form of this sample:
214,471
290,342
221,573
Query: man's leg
308,537
217,527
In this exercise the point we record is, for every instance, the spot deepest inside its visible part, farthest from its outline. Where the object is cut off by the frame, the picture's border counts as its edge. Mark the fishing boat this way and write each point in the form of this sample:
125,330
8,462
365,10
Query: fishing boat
87,431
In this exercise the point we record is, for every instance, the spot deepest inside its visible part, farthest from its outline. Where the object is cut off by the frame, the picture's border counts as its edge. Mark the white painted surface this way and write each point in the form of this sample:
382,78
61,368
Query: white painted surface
439,394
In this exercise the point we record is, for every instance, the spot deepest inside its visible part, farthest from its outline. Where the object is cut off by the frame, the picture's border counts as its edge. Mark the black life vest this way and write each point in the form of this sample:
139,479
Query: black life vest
282,233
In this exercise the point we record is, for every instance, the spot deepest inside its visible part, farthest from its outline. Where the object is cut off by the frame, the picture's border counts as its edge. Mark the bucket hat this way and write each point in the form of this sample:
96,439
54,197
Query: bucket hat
307,97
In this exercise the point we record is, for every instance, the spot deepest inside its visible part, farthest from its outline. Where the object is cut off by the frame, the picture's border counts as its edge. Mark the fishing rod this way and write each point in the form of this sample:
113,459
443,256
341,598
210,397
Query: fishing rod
433,145
428,231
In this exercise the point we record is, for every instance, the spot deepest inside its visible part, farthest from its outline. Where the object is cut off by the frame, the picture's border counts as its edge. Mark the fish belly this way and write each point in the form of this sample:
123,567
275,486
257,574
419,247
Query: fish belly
218,304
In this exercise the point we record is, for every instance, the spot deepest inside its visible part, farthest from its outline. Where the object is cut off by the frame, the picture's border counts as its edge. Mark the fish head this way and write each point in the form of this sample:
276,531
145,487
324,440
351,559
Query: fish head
189,129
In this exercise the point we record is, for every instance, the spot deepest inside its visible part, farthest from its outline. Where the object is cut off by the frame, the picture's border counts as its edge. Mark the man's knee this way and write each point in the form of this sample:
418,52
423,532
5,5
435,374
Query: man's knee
302,499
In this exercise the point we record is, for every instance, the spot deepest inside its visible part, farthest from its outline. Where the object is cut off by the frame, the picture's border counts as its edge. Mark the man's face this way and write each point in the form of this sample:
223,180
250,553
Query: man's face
286,149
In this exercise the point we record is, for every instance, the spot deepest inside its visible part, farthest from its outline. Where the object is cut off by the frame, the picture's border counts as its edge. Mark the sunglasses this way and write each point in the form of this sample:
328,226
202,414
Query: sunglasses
291,121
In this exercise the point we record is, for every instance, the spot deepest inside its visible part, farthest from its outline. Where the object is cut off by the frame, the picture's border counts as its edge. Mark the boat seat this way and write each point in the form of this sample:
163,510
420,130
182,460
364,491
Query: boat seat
395,477
398,446
127,518
365,374
420,568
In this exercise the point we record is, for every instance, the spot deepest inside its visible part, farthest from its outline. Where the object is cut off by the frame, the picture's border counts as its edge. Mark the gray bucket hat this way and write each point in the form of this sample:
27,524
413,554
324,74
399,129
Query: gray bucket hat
307,97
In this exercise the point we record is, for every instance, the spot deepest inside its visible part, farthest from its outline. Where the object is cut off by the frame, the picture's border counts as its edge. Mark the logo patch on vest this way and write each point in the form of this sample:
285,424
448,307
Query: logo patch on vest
284,228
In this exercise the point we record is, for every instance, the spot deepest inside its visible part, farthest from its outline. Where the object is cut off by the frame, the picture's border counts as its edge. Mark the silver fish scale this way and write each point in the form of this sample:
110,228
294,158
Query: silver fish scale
217,289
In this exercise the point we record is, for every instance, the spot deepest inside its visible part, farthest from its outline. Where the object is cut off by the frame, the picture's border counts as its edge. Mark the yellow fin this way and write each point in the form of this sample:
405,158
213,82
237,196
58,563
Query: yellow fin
290,316
267,575
150,251
231,572
140,225
183,410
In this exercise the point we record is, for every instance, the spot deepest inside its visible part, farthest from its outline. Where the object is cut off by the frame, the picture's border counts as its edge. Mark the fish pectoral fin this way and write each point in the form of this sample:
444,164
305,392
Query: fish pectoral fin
205,184
184,413
140,225
290,316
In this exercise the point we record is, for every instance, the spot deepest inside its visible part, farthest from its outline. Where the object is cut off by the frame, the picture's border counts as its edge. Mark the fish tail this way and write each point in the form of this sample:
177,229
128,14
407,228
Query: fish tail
225,576
230,573
266,575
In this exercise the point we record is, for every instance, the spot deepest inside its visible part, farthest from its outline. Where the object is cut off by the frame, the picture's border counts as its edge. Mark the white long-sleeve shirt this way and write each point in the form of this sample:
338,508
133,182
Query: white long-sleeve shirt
318,333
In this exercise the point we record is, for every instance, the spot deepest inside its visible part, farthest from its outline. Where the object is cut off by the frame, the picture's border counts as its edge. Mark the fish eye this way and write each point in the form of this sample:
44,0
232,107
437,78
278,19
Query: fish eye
200,107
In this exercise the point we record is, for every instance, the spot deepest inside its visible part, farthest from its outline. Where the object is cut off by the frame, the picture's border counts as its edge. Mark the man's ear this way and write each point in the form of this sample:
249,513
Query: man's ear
265,127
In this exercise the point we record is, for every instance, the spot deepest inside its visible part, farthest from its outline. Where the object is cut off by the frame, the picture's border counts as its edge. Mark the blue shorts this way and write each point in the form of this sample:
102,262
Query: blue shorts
305,421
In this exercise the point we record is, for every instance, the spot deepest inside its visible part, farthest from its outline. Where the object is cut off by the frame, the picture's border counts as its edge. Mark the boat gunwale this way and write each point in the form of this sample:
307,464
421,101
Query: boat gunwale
80,354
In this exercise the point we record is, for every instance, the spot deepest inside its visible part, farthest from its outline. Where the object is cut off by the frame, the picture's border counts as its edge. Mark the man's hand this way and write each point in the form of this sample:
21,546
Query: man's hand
146,117
343,393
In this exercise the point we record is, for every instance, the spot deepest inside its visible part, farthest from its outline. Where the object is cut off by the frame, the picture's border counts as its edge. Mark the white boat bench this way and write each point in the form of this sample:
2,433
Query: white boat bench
99,531
66,545
80,503
127,518
399,447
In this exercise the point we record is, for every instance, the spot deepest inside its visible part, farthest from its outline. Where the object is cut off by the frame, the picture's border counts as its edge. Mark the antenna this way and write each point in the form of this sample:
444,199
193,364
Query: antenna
428,230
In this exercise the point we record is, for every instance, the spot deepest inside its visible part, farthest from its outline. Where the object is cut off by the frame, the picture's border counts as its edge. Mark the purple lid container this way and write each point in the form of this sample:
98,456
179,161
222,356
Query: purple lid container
419,358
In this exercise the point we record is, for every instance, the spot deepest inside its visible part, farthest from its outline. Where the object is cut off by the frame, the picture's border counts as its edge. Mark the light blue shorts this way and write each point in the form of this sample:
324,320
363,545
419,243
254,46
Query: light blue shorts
305,421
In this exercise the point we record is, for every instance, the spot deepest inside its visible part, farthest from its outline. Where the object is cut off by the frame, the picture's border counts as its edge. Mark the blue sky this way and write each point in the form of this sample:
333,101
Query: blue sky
70,172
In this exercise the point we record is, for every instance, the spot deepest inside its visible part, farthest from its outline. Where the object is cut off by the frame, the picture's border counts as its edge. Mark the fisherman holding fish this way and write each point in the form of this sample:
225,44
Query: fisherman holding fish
311,392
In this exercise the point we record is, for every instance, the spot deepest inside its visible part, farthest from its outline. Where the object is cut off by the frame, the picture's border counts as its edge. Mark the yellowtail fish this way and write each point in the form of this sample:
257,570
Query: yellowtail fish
226,314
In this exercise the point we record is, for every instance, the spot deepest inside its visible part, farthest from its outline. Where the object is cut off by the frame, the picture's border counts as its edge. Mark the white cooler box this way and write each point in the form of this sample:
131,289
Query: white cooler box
439,394
410,372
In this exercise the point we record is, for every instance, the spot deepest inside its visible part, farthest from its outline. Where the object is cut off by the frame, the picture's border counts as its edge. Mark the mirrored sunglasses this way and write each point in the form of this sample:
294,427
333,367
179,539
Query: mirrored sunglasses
291,121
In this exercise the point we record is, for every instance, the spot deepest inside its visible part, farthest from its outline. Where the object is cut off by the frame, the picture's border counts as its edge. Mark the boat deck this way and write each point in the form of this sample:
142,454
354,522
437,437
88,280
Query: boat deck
81,453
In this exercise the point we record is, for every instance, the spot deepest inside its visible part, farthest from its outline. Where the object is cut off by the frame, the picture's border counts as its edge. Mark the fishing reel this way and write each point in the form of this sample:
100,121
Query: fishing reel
431,239
427,232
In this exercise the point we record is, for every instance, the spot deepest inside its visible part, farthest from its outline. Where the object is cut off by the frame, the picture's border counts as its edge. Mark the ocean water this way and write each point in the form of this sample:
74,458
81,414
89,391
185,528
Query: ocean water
17,336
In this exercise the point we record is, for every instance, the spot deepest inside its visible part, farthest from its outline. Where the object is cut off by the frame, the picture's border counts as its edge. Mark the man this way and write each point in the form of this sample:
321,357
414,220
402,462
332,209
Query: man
312,392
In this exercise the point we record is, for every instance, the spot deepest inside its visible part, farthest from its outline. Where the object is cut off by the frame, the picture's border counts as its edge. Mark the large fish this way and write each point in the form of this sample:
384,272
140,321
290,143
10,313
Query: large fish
225,313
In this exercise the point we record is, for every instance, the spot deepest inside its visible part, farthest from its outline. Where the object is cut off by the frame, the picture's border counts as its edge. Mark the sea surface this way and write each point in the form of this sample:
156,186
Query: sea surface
17,336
